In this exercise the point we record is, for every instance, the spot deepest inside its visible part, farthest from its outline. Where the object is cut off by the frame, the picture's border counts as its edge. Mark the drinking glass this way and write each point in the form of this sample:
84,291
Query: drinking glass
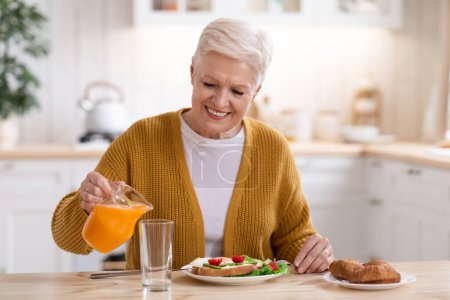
156,254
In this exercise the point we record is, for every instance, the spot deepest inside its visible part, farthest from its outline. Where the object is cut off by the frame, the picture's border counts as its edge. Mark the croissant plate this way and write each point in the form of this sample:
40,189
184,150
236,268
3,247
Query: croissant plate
375,271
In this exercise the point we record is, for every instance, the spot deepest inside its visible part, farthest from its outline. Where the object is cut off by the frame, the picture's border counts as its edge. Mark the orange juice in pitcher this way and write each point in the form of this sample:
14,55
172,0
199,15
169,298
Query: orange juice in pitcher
110,225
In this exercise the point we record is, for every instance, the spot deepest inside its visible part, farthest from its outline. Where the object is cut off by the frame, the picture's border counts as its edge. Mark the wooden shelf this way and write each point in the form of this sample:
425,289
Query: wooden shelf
385,14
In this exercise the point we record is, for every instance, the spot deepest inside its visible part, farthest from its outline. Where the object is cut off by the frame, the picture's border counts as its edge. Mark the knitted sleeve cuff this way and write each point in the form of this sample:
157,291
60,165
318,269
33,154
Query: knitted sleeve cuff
67,224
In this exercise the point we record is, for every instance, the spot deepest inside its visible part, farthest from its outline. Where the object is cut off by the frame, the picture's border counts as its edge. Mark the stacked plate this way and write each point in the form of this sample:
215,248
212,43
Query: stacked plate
365,134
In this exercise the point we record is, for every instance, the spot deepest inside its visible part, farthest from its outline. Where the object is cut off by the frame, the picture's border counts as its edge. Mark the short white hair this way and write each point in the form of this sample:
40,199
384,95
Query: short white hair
239,40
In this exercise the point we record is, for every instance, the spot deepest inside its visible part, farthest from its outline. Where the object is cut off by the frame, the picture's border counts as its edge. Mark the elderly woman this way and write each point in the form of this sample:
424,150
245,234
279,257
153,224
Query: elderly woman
230,183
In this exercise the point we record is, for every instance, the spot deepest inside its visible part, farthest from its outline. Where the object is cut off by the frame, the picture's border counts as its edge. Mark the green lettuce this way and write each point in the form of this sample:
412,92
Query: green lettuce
265,270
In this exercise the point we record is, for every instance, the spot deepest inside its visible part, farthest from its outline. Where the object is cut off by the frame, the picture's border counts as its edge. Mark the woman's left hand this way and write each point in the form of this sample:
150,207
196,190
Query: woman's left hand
315,256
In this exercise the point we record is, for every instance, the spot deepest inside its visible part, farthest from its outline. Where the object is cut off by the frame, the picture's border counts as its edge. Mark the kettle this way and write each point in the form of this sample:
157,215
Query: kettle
106,113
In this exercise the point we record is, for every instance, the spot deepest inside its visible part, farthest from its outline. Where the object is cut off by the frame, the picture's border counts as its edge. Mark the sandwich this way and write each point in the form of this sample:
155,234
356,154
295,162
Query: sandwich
238,265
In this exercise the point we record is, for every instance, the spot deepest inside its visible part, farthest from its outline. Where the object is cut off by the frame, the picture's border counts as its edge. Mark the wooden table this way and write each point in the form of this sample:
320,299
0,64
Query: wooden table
433,282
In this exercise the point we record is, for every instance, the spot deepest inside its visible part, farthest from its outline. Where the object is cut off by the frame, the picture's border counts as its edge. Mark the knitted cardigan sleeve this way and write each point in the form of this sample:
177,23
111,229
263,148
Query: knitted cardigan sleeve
69,218
295,222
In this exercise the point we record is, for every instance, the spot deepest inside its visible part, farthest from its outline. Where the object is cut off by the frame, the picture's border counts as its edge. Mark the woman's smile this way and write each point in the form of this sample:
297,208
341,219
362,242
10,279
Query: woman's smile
215,114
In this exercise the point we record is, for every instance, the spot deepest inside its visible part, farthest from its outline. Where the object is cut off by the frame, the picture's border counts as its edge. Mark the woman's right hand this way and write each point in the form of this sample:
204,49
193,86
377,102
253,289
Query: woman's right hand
94,189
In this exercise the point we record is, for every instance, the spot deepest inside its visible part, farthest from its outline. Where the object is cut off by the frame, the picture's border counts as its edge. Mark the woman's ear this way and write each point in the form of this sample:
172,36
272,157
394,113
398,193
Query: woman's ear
192,74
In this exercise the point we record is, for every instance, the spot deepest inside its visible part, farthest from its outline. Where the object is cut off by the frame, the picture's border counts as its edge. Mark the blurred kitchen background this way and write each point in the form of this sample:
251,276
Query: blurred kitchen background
319,60
347,72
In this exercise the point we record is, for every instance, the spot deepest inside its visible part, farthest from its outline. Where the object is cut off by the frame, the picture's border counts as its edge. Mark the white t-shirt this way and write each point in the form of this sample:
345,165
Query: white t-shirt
213,166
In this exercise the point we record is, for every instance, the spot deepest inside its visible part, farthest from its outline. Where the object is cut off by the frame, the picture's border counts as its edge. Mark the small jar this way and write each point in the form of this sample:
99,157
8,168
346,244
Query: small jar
327,126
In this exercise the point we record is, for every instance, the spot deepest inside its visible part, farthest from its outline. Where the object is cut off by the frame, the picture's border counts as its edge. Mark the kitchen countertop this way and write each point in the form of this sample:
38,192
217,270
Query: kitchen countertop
325,149
55,151
409,152
433,282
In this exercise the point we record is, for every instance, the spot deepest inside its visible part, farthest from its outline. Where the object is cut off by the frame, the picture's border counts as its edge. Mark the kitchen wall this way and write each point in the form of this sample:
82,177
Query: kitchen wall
313,68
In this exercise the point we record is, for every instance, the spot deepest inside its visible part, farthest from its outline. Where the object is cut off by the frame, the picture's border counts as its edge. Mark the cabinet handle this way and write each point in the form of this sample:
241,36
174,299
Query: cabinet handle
375,202
8,166
414,172
376,164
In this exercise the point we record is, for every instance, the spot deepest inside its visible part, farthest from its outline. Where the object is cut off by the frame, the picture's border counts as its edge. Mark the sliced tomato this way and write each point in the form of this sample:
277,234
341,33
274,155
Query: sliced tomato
237,259
215,261
273,266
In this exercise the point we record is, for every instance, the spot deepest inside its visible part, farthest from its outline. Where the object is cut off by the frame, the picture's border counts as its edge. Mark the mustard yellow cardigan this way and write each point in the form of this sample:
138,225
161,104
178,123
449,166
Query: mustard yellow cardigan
267,217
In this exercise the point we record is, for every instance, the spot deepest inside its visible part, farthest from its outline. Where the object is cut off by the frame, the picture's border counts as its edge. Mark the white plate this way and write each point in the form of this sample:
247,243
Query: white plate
230,280
405,278
379,139
439,151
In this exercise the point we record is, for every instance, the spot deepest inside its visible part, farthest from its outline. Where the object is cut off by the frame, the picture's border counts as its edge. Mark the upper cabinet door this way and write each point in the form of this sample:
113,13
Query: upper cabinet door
375,13
266,12
379,13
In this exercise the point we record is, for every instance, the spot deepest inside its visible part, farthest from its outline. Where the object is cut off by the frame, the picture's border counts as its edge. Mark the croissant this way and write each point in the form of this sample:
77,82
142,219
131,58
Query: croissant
375,271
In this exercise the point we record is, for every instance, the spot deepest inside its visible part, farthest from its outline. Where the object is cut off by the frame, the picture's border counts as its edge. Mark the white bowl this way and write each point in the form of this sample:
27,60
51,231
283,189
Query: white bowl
360,133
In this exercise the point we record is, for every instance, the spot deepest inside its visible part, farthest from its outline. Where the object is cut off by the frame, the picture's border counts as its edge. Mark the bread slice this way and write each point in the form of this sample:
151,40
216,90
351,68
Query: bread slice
227,271
198,263
199,269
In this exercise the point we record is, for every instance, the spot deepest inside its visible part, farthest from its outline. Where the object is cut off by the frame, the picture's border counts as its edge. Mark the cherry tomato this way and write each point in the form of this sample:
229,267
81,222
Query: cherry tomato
273,266
215,261
238,258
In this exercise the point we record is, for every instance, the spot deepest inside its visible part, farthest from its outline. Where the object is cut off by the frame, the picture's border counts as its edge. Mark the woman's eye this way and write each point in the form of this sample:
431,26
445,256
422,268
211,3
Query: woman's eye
210,85
237,93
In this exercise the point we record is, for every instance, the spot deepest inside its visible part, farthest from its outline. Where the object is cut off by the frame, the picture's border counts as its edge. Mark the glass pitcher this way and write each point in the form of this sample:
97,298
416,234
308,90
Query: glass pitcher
112,223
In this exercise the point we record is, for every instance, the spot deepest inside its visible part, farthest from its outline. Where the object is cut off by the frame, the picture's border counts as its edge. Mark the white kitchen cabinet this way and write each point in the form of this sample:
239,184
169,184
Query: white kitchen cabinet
419,235
378,219
386,14
435,237
372,207
405,236
422,187
335,190
204,11
407,208
30,190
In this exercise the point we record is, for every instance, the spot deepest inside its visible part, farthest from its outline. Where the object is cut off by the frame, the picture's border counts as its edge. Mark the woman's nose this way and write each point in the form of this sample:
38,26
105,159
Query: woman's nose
222,98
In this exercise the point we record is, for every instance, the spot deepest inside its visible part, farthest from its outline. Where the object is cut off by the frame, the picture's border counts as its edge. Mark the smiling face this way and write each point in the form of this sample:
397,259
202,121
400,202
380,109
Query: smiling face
223,89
